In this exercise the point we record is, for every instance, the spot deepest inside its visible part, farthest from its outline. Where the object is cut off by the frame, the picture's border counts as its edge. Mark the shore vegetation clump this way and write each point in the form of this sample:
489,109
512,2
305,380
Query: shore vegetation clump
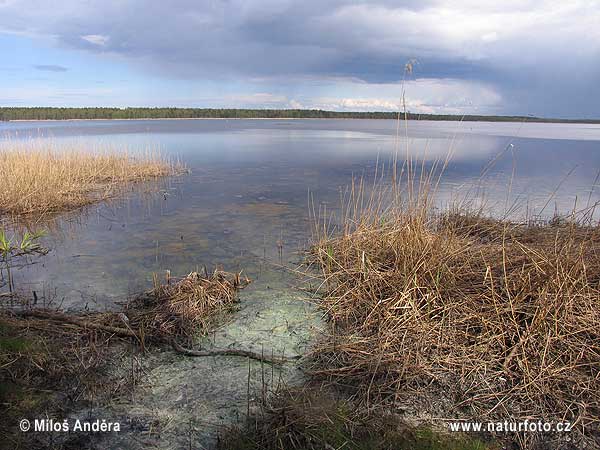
40,177
469,316
186,307
178,309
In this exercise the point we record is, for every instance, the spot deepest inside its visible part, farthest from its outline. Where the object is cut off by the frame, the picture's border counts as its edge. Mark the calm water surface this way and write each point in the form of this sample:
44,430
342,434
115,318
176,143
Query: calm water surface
250,181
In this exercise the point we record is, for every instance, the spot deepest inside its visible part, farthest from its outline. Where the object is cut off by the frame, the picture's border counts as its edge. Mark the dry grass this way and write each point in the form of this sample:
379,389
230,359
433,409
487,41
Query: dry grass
496,320
53,341
183,308
46,368
34,352
178,309
39,177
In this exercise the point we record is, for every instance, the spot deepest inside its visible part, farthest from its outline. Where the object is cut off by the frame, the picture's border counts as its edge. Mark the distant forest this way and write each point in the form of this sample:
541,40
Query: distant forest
43,113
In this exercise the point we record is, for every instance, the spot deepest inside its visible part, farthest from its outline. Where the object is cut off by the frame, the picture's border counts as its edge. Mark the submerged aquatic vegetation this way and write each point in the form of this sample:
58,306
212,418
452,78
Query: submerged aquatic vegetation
495,319
12,248
40,177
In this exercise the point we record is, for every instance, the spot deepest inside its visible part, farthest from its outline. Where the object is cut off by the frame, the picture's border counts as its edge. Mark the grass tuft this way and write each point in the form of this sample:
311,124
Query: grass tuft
305,419
183,308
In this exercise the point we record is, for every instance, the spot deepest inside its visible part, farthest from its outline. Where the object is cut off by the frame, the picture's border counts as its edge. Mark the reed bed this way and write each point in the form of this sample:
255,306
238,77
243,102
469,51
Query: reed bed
40,177
477,318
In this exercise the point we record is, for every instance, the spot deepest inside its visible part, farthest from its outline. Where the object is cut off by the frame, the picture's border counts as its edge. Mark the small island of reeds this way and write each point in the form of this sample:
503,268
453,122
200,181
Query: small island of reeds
41,178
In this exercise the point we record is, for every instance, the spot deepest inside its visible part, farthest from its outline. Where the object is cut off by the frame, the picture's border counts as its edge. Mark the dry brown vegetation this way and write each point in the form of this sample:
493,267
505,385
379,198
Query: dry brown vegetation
39,177
313,418
46,367
177,309
476,317
46,354
183,308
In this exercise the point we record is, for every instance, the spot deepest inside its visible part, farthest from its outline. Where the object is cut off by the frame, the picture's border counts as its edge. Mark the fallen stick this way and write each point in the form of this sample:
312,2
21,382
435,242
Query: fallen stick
60,317
65,318
232,352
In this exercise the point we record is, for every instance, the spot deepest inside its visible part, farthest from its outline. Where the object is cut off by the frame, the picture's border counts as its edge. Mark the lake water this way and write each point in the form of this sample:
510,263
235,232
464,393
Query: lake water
245,206
250,181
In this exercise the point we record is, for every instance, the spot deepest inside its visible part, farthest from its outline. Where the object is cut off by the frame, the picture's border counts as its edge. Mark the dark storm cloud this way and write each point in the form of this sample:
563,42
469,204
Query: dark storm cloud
50,68
541,56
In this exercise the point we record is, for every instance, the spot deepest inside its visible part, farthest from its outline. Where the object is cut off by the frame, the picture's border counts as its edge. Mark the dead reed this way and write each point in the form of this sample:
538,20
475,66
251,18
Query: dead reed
51,341
40,177
178,309
183,308
316,418
495,319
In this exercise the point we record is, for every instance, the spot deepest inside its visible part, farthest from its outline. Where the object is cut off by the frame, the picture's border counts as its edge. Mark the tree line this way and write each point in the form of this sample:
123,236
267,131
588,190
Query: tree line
53,113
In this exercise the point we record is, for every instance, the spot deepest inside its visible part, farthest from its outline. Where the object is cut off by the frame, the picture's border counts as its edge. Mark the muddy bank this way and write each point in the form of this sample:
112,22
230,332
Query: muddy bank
170,400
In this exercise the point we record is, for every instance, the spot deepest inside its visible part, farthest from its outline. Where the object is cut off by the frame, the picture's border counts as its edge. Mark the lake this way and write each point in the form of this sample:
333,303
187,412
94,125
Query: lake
250,180
245,204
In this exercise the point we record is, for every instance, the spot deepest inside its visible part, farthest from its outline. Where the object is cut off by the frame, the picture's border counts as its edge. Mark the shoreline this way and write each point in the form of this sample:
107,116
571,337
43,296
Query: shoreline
540,121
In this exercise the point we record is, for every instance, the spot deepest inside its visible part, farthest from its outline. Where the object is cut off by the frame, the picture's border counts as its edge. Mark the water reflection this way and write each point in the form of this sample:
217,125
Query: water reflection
249,185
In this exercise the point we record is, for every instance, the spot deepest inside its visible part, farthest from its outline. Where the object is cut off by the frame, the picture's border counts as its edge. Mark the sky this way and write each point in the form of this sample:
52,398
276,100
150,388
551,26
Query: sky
526,57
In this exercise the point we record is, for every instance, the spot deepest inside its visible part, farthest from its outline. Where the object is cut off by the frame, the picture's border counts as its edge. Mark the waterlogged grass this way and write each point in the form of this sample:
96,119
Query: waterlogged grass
310,421
418,439
40,177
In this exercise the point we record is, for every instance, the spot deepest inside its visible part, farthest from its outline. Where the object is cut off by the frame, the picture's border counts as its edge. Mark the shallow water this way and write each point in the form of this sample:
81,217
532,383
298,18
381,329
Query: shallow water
250,181
245,206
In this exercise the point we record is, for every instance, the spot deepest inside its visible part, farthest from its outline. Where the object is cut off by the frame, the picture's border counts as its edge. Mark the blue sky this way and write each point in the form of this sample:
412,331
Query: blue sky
512,57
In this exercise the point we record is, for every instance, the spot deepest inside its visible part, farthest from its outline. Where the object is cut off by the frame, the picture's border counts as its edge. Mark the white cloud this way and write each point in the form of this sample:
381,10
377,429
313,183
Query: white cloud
490,37
96,39
464,28
356,104
259,99
428,96
55,96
